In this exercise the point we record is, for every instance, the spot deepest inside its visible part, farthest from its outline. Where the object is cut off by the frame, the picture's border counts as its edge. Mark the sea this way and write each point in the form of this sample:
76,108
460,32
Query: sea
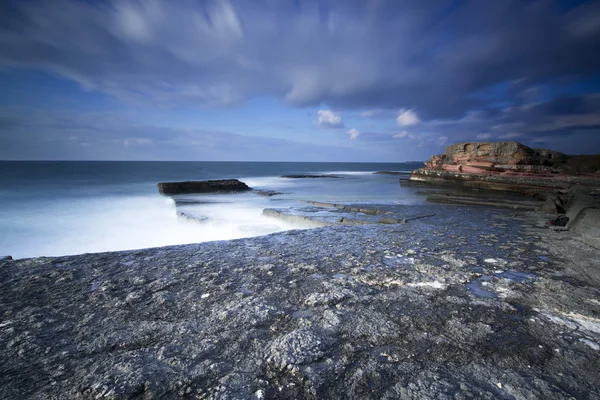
55,208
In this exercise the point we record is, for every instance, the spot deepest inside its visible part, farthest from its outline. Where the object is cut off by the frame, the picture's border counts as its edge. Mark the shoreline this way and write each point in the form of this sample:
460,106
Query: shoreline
449,305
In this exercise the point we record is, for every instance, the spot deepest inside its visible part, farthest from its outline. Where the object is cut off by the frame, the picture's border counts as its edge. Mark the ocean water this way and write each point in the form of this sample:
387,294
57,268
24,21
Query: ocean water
60,208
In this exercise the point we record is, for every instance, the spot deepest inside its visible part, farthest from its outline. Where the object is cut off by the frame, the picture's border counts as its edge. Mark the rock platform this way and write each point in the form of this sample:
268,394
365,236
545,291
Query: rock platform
212,186
446,307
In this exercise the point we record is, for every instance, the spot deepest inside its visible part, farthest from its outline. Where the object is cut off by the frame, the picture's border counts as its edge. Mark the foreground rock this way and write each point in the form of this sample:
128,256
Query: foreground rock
214,186
310,176
508,166
447,307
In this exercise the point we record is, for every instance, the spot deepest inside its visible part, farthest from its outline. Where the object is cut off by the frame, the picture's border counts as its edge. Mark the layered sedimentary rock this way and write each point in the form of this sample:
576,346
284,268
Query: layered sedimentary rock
488,157
215,186
567,185
506,166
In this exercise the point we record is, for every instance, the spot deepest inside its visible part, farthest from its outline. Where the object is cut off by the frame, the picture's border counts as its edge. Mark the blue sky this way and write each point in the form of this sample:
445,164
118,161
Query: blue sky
303,80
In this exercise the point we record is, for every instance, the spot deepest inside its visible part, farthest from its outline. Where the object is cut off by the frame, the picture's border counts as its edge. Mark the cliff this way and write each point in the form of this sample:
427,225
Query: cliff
509,166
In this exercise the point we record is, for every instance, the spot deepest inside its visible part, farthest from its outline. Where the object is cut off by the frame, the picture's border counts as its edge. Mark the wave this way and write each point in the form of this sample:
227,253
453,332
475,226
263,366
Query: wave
75,226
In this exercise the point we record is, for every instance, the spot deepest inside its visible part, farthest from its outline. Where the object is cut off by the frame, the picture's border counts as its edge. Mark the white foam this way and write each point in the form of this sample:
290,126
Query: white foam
78,225
268,182
345,173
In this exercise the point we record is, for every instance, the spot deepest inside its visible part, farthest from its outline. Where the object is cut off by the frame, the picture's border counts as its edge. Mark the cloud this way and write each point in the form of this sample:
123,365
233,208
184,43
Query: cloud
329,119
400,135
568,124
353,133
407,117
510,135
114,136
221,53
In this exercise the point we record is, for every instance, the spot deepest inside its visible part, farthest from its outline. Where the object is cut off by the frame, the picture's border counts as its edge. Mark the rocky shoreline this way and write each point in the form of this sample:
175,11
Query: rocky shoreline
509,167
430,301
441,307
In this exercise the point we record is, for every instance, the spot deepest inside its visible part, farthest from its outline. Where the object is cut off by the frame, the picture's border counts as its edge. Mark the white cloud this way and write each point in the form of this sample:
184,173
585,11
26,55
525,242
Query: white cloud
353,133
400,135
511,135
484,136
329,119
407,117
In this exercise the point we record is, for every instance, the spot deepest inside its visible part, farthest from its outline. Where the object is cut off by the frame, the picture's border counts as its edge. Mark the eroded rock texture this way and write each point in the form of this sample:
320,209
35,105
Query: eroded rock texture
446,307
509,166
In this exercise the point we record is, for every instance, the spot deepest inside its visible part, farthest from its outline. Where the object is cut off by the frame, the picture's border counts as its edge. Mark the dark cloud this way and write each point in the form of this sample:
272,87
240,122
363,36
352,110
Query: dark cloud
430,55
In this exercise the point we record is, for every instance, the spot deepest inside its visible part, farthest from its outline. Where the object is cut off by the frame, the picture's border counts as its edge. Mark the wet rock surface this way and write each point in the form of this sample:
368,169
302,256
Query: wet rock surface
392,172
470,303
305,176
324,214
267,193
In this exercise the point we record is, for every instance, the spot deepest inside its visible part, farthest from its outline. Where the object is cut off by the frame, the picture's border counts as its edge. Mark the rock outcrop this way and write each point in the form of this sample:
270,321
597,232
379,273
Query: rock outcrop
489,157
565,185
507,166
215,186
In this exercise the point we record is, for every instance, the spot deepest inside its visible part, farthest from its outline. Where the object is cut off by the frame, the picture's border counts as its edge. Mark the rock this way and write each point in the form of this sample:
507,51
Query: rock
294,219
484,156
561,220
190,202
6,258
344,207
190,217
504,166
584,214
549,207
391,172
483,200
366,311
213,186
298,347
267,193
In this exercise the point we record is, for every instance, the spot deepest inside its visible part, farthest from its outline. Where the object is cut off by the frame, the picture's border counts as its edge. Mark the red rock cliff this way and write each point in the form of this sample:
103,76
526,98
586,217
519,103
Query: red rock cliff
490,157
508,166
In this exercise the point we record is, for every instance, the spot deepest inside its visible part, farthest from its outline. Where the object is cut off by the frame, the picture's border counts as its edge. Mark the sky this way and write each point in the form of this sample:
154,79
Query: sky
294,80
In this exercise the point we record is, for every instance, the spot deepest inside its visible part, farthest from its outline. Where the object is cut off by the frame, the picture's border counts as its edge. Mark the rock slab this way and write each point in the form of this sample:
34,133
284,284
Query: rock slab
447,307
211,186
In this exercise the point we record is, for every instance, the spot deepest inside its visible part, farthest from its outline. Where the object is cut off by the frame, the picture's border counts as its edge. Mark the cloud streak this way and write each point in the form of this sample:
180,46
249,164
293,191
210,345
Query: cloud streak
221,53
398,72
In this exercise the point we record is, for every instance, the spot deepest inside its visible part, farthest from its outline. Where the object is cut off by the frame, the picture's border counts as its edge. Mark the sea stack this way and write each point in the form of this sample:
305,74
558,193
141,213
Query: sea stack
215,186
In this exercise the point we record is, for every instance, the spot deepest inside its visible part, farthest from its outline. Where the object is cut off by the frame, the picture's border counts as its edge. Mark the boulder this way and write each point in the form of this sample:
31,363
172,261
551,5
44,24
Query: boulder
214,186
584,214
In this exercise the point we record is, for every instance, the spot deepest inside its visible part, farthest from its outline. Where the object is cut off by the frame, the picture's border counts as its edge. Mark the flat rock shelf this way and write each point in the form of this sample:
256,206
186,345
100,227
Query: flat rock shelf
451,306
